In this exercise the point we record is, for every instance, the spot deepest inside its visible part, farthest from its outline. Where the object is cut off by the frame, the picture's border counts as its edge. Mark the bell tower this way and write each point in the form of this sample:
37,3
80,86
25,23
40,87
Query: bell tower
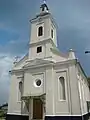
43,34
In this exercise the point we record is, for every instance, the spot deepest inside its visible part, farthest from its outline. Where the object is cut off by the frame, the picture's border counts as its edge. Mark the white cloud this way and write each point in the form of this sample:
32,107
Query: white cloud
5,65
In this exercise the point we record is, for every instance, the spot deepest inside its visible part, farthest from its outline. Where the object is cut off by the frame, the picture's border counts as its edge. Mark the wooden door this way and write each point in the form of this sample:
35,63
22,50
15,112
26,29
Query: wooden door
37,109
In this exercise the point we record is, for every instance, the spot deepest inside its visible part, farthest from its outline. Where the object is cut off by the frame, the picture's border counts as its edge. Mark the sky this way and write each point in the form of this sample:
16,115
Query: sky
73,31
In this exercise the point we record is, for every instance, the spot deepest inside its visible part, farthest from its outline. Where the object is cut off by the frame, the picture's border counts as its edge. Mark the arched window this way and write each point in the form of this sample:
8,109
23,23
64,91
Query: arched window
20,91
52,33
62,88
40,31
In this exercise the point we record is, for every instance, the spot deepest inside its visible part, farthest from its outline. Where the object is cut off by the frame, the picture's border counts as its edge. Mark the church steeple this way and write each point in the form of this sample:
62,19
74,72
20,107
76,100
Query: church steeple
43,33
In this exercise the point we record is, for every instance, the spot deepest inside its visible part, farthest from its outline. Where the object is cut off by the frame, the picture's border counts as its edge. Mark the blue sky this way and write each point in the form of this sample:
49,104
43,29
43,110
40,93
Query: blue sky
71,16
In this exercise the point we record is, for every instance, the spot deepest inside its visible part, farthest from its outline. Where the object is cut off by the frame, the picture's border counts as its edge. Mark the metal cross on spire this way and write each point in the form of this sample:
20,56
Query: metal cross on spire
44,7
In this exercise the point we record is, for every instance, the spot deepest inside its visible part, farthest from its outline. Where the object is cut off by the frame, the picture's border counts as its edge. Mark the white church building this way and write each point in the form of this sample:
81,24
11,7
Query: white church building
47,84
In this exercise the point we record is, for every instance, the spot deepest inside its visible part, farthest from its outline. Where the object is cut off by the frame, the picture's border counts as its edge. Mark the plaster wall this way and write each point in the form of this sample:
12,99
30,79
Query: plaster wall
30,77
14,106
61,105
83,91
46,24
75,100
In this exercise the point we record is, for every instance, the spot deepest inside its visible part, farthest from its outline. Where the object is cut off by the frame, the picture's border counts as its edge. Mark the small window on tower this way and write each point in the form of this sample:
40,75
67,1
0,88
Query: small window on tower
42,9
52,33
40,31
39,49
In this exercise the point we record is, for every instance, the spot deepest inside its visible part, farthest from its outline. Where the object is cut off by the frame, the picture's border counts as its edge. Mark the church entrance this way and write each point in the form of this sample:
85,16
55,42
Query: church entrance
37,109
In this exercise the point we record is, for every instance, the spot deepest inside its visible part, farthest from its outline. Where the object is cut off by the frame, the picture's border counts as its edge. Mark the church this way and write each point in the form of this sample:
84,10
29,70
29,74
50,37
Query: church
47,84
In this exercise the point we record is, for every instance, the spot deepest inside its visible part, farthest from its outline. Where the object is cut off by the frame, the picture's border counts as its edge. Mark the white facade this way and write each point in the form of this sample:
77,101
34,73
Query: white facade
63,88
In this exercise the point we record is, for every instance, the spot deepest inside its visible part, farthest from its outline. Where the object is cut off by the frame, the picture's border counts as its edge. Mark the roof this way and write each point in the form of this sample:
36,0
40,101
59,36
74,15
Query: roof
89,81
81,68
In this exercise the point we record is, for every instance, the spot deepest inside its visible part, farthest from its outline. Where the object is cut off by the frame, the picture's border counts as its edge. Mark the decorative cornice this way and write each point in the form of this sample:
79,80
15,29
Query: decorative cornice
42,42
43,16
16,71
38,66
27,97
74,61
32,67
50,63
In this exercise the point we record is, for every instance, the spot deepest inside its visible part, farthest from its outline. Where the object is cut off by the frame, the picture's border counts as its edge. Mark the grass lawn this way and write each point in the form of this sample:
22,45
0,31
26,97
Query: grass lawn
2,119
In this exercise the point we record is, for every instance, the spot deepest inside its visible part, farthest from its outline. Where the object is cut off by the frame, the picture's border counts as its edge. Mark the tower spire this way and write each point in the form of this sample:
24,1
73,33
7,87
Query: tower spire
44,7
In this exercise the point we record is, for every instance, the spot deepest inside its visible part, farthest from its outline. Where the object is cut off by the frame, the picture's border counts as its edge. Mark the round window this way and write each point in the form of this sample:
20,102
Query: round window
38,82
